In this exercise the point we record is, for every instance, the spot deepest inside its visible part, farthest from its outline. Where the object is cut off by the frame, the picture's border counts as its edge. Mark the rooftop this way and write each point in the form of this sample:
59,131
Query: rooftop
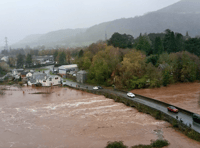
68,66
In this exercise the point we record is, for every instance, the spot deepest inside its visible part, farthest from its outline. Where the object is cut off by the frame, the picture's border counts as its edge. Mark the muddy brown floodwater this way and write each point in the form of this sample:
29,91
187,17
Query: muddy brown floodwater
183,95
68,118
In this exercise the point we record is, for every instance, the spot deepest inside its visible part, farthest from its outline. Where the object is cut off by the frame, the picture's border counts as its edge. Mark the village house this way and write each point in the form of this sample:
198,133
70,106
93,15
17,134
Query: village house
51,80
44,79
23,74
47,59
17,71
29,74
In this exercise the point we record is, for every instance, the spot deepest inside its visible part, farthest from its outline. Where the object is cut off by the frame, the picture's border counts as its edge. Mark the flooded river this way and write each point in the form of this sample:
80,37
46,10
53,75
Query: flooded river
183,95
67,118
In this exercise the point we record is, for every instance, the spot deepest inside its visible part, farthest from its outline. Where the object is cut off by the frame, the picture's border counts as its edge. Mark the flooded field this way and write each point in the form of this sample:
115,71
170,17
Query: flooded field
67,118
183,95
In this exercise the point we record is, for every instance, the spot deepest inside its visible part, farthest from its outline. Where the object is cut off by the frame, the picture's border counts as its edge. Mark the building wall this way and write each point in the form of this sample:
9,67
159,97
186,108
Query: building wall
52,82
29,75
81,78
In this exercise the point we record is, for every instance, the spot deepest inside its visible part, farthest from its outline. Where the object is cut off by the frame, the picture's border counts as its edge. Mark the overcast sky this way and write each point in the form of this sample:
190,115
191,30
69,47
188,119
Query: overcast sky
19,18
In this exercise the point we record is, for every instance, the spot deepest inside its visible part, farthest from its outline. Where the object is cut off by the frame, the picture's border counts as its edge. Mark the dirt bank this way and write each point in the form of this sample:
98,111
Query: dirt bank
75,119
183,95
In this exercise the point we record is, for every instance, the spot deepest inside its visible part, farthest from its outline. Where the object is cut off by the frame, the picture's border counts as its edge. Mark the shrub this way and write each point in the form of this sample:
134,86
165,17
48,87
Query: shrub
159,143
175,124
142,146
193,135
116,144
153,59
158,115
10,83
154,144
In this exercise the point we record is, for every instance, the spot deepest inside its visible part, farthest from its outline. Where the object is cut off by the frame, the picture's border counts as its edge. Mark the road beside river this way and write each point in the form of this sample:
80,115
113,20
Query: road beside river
183,95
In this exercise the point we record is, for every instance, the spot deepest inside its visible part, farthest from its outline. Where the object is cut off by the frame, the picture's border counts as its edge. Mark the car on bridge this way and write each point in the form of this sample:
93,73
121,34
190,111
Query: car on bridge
196,118
172,109
97,87
130,94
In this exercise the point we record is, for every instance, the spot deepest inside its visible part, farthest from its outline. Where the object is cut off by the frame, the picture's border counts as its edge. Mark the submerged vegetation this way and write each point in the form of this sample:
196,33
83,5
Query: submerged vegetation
154,144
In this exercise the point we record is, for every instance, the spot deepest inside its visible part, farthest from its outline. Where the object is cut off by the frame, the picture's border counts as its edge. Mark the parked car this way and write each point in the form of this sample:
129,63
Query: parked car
172,109
130,94
97,87
196,118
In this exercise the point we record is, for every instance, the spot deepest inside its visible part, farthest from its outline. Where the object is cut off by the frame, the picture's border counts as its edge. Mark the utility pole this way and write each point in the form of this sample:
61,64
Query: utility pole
105,36
6,45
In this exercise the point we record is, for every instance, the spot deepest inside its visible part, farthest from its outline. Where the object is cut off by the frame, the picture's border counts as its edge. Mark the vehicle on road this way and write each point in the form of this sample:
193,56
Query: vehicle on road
172,109
97,87
130,94
196,118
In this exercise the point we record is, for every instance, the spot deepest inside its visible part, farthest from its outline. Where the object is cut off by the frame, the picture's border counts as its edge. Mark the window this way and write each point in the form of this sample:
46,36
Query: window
50,79
56,78
44,80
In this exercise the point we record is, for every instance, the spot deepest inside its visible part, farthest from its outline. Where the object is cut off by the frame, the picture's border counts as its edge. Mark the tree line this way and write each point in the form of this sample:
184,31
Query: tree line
20,57
157,43
149,61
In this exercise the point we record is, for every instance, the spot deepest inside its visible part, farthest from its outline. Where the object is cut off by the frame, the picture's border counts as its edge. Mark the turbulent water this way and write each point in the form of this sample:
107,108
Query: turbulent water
67,118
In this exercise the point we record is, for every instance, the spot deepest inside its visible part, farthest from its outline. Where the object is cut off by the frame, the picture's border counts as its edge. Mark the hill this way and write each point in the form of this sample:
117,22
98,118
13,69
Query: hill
180,17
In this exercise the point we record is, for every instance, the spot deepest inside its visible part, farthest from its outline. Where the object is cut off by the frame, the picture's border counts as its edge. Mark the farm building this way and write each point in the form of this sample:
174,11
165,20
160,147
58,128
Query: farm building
67,68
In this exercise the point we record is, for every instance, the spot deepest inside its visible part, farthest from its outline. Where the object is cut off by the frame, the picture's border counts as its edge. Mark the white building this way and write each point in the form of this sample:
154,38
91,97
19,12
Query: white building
67,68
51,80
44,79
5,58
29,74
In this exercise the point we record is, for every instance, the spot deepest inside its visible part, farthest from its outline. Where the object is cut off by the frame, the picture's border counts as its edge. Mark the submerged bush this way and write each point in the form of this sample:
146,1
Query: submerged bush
159,143
154,144
116,144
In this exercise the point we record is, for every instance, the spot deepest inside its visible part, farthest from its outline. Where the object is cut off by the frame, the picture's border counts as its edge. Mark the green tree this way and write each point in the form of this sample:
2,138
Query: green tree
86,63
29,60
144,44
166,41
62,58
166,78
192,45
132,65
173,42
20,60
179,42
55,54
103,64
121,40
172,45
158,46
152,59
80,54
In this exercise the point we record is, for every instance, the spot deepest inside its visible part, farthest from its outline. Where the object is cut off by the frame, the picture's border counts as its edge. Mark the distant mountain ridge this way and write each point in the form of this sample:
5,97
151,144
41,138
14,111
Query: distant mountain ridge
180,17
182,7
